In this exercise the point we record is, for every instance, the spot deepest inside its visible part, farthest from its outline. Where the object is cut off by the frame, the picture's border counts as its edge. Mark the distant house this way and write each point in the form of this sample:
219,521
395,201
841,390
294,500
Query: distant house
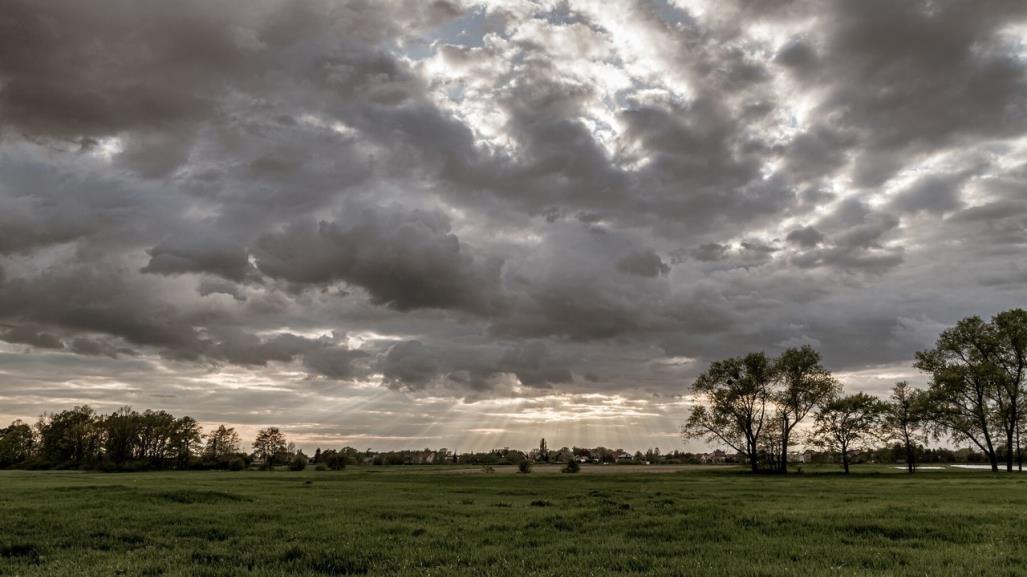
623,457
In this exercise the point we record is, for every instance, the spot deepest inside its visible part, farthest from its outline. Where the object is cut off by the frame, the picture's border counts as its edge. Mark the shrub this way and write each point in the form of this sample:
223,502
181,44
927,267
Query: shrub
321,467
488,469
524,467
572,467
335,461
237,464
298,463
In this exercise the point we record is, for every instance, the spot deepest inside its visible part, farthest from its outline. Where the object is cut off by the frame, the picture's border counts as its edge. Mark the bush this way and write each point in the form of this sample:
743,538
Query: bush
488,469
298,463
524,467
572,467
236,464
334,461
321,467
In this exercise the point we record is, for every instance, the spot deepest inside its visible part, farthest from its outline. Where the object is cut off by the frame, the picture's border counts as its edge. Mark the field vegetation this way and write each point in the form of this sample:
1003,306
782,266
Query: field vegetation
463,521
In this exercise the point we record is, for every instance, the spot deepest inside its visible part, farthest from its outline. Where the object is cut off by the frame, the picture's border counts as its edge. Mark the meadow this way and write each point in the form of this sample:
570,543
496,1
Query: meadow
453,521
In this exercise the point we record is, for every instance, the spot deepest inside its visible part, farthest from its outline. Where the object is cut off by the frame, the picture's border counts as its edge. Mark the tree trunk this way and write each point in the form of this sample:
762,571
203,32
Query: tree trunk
988,447
1009,448
910,457
993,458
1019,451
1013,434
784,451
845,461
750,445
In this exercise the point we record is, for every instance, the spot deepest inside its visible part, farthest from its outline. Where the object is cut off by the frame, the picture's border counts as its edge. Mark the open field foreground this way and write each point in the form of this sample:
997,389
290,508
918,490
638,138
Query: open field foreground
423,522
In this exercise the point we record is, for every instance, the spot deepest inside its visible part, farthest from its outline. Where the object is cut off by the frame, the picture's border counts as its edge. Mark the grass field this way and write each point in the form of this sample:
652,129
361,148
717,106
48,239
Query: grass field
377,521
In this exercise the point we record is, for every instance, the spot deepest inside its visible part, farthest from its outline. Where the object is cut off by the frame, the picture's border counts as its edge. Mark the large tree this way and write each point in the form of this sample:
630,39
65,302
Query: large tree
845,424
222,443
1008,350
71,437
16,444
184,441
803,384
966,385
734,397
122,435
905,418
270,443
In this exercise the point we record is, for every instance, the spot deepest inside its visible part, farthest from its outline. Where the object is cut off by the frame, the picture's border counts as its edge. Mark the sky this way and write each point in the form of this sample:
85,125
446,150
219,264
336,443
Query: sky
409,224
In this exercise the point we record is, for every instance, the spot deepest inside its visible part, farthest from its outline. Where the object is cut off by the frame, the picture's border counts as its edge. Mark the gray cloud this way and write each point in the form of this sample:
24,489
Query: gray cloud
199,252
406,260
31,336
433,200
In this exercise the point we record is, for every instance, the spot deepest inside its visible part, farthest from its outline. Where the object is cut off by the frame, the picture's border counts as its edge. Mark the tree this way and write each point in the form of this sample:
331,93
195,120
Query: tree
121,435
335,460
184,441
844,424
222,444
965,386
805,384
157,431
735,394
16,444
70,437
298,462
1009,353
905,419
270,443
543,451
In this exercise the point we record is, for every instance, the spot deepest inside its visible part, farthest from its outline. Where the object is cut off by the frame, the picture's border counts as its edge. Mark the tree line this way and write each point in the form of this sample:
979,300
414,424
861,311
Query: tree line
129,440
123,440
976,394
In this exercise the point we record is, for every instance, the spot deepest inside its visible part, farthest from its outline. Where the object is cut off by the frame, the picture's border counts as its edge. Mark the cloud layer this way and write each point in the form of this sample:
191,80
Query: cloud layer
514,210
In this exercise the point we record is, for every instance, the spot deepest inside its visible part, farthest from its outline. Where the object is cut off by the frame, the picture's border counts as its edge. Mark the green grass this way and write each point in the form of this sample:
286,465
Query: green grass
433,522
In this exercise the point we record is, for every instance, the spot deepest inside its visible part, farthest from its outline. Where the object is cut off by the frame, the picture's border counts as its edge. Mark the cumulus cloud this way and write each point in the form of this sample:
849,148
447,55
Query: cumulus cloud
406,260
450,200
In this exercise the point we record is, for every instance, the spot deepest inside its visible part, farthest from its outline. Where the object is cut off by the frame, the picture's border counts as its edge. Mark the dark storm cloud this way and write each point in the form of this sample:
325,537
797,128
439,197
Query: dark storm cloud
411,364
450,199
896,72
535,366
643,263
97,299
406,260
74,71
935,194
199,252
414,365
96,347
31,336
219,286
334,362
854,241
806,236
